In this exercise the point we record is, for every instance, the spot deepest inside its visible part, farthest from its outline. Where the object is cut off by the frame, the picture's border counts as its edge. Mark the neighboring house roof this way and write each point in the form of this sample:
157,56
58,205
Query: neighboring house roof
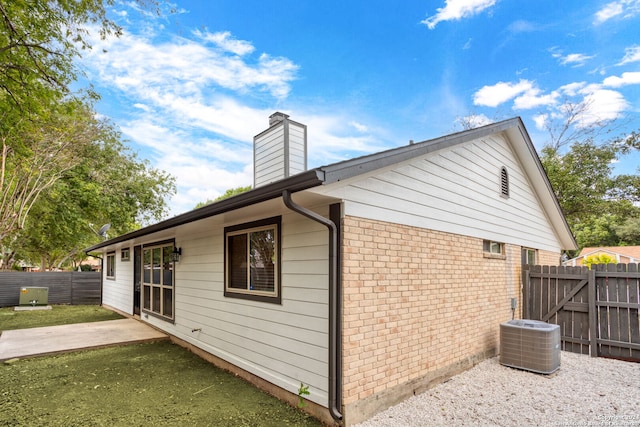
627,251
324,175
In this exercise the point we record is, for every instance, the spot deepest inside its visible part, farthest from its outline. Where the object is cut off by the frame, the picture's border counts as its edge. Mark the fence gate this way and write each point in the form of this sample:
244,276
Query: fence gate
597,310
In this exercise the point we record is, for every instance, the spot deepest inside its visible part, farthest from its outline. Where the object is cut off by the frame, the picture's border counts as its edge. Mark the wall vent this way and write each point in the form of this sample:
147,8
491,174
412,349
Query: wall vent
504,182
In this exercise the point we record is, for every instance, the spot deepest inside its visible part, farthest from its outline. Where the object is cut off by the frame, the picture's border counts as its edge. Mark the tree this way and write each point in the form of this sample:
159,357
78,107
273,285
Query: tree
628,232
45,128
36,153
110,185
229,193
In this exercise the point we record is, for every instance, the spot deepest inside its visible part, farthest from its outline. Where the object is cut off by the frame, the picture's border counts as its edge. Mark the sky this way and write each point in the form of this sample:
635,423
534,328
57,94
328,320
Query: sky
190,87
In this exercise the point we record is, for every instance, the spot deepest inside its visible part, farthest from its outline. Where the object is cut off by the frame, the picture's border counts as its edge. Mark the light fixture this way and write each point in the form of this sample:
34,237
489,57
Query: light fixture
175,255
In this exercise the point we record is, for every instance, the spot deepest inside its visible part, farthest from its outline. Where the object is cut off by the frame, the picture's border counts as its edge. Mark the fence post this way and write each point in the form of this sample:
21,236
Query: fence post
526,281
593,315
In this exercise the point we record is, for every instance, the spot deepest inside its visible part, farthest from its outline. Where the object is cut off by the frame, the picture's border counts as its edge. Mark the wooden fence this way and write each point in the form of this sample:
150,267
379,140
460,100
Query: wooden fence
597,310
73,288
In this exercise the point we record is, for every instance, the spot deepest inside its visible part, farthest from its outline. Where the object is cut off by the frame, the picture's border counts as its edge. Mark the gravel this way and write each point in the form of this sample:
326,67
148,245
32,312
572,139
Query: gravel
585,391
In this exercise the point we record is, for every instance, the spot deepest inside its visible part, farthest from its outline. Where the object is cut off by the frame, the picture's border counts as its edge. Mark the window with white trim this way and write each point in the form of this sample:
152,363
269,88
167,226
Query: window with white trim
125,254
493,249
158,280
252,260
111,265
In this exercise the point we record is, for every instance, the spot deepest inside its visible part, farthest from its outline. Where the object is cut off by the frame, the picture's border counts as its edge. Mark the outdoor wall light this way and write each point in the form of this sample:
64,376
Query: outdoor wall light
175,255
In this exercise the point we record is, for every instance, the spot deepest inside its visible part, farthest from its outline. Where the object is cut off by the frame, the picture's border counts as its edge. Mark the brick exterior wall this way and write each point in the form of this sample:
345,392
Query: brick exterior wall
418,307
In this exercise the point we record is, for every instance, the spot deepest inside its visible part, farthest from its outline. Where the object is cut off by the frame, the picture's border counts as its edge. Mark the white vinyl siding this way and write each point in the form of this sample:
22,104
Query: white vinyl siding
456,191
287,343
279,152
297,151
118,293
269,156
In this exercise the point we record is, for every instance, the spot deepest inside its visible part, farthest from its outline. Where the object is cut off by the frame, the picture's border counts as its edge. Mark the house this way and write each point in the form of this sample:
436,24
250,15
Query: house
620,254
366,280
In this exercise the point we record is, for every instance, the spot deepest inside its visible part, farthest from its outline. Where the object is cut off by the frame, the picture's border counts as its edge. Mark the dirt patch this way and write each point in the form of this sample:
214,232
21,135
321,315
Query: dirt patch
144,384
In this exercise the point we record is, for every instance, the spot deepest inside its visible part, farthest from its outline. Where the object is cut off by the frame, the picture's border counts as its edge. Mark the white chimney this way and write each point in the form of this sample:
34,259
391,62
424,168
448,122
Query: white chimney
280,151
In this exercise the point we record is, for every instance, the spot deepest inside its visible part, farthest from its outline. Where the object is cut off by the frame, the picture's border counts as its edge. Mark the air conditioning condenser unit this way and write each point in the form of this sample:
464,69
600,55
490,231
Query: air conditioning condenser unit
531,345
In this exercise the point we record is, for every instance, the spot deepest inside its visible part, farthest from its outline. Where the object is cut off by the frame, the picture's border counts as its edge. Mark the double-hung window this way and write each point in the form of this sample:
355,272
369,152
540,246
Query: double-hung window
158,280
252,260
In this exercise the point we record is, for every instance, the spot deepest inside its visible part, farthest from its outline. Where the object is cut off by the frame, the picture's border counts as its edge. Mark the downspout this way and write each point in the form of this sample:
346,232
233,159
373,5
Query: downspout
334,332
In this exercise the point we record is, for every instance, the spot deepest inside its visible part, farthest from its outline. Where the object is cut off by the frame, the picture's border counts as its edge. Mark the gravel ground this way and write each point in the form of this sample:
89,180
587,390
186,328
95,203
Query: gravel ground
585,391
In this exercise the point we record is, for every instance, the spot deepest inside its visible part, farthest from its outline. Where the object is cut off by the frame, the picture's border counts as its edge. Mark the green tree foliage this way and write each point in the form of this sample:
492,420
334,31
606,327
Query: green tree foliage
229,193
56,159
110,185
595,201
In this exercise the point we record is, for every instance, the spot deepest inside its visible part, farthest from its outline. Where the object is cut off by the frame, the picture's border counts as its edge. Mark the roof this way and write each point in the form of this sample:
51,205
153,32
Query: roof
514,128
628,251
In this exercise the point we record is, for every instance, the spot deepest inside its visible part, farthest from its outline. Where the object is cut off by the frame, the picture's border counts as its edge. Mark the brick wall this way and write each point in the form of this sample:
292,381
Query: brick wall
419,306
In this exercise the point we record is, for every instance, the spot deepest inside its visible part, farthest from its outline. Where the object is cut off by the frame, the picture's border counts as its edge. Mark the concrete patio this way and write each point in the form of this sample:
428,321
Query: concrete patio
60,339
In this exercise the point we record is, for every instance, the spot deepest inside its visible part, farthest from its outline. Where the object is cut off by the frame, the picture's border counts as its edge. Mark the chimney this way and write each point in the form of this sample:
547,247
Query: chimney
280,151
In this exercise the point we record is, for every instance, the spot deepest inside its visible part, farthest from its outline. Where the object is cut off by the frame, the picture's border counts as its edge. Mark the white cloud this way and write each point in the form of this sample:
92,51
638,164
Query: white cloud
630,78
492,96
534,98
631,54
575,59
358,126
541,120
136,63
603,105
226,42
572,89
473,121
521,26
620,8
457,9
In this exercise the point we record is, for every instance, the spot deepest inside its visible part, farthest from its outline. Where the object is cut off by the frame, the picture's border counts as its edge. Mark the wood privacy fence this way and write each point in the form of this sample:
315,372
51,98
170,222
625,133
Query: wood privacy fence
597,310
64,287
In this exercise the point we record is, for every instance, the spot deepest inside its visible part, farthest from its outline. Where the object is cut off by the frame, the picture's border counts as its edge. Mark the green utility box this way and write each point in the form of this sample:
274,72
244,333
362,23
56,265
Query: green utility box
34,296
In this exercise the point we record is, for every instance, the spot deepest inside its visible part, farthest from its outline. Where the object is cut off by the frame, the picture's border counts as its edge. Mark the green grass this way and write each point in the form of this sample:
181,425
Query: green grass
150,384
58,315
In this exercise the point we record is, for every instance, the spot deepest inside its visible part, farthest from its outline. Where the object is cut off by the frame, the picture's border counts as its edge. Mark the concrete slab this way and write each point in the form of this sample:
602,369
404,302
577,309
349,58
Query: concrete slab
61,339
31,308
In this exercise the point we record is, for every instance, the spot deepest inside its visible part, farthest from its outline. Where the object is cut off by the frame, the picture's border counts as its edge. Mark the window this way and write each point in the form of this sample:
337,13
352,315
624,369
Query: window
252,260
125,254
529,256
504,182
157,280
111,265
493,249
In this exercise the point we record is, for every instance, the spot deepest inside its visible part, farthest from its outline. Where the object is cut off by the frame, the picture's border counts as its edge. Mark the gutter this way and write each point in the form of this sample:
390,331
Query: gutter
334,334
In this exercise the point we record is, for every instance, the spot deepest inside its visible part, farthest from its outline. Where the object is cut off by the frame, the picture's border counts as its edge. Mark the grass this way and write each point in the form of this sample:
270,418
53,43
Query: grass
156,383
58,315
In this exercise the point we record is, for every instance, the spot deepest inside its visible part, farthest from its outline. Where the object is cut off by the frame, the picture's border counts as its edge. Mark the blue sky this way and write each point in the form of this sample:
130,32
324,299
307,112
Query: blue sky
190,89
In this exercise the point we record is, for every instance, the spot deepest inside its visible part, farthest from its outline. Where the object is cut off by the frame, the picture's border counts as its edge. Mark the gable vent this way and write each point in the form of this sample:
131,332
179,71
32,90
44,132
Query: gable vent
504,182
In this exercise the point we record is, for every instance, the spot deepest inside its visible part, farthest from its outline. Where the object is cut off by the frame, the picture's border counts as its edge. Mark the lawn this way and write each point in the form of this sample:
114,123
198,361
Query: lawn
58,315
132,385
